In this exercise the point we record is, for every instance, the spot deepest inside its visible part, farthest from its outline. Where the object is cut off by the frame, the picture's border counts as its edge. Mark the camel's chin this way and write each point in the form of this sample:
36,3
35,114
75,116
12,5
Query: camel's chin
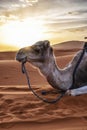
22,60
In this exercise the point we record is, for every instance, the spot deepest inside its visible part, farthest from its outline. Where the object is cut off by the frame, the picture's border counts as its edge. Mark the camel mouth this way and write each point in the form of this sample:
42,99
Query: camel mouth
21,59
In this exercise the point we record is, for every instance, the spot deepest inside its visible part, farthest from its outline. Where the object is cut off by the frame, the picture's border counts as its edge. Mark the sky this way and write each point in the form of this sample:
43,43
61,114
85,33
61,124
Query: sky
24,22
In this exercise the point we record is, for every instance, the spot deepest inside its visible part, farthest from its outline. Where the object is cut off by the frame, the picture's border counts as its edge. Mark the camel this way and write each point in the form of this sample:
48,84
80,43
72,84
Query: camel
41,56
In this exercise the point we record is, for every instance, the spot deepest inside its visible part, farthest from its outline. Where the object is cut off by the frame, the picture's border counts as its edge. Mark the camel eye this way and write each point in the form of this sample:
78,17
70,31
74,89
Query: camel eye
37,50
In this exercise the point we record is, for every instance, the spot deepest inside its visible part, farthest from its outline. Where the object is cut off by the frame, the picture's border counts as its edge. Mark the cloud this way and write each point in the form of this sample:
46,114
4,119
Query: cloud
14,4
65,24
80,1
12,9
56,14
78,12
78,29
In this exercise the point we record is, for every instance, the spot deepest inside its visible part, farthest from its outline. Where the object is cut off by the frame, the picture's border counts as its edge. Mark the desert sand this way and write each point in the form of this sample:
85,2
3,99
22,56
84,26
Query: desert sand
21,110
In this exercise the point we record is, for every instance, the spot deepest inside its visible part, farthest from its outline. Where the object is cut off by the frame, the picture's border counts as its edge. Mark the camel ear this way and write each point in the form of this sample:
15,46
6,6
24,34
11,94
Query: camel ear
47,43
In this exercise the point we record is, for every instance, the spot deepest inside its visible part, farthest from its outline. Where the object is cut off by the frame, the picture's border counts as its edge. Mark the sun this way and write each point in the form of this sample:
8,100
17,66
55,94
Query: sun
23,33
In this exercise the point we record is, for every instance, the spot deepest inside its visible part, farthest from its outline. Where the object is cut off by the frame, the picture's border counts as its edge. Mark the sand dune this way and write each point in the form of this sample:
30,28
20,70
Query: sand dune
68,45
7,55
20,109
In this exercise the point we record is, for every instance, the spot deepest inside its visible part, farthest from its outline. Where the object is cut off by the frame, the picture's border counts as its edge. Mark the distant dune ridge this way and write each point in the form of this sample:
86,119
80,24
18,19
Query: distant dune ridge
69,45
21,110
67,48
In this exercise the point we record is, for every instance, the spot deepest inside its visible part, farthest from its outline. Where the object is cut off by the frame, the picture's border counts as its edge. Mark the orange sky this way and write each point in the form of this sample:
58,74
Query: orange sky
24,22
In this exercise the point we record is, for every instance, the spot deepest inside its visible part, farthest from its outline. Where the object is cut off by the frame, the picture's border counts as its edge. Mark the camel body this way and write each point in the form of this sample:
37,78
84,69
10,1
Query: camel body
41,56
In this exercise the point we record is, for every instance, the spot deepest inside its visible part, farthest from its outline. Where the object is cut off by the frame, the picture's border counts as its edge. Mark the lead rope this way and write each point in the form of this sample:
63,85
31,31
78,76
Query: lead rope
24,71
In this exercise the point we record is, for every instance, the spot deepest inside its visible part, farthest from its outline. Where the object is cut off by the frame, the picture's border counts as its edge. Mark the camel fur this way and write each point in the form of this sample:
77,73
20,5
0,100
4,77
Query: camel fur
41,55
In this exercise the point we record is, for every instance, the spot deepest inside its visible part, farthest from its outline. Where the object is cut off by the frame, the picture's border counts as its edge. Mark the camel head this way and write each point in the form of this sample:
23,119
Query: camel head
37,54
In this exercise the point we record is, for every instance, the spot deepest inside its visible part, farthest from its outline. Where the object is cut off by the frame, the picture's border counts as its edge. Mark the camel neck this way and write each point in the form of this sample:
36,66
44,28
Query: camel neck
52,73
57,78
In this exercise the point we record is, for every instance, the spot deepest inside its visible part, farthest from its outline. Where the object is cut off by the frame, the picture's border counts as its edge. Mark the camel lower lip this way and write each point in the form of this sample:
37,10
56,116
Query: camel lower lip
23,60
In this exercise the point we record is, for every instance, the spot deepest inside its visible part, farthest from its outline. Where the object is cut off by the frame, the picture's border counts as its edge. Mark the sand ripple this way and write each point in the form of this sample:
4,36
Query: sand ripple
26,107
